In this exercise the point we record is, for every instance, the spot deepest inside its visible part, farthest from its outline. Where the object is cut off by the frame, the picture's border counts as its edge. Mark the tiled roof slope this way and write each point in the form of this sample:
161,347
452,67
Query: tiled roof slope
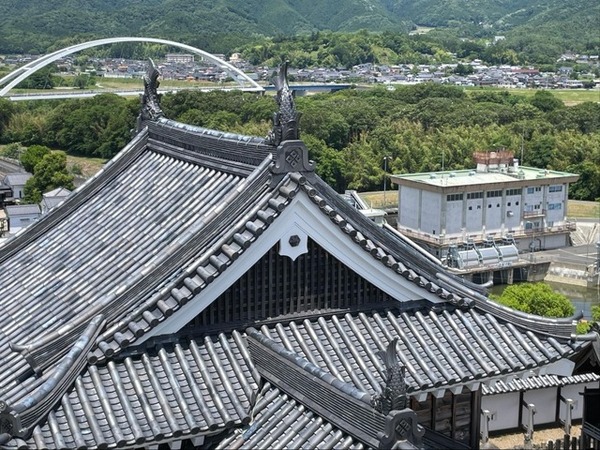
186,389
174,210
111,241
281,422
448,348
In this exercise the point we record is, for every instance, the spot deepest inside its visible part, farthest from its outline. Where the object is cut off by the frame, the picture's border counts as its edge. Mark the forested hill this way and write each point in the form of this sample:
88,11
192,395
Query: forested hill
218,25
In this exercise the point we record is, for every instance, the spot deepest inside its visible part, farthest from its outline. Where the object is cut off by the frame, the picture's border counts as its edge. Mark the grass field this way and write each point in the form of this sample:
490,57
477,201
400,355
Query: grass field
577,209
88,166
115,84
568,96
379,199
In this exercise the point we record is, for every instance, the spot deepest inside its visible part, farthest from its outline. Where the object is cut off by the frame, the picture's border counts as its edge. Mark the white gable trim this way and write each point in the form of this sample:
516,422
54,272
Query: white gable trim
301,214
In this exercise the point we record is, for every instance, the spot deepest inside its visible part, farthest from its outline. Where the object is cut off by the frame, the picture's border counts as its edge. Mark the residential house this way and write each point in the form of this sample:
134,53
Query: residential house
16,181
53,198
21,216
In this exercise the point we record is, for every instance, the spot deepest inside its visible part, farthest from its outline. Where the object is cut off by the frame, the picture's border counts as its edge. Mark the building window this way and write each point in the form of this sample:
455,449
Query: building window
554,205
470,208
513,192
494,193
474,195
454,197
490,205
557,188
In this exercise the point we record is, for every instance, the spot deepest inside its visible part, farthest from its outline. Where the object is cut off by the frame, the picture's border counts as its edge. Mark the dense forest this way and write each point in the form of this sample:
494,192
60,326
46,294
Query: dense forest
536,31
424,127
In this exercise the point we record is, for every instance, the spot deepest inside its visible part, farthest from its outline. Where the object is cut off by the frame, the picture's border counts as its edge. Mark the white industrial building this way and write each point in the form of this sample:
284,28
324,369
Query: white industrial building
499,204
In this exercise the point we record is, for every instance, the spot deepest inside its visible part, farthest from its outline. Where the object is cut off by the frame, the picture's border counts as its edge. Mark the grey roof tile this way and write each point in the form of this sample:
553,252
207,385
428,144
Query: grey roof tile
160,222
182,390
537,382
449,348
281,422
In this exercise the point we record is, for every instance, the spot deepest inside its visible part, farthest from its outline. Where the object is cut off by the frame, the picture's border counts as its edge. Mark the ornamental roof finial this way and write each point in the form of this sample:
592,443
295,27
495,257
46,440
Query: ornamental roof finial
285,121
393,393
150,99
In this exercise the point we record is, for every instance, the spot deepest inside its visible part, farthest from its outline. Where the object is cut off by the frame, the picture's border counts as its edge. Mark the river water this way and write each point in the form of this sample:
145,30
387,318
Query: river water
582,298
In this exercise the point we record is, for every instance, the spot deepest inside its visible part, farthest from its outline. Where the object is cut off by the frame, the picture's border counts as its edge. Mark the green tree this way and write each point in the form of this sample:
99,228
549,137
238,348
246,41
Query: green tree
7,110
12,151
463,69
596,313
49,173
83,80
41,79
32,156
545,101
535,298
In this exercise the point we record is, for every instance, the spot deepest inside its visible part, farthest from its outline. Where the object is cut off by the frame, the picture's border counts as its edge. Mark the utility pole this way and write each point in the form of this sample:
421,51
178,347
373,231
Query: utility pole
385,160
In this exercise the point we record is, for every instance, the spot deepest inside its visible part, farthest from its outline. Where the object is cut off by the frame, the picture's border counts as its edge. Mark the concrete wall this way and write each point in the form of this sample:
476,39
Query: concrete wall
409,207
431,205
513,208
474,215
493,208
454,217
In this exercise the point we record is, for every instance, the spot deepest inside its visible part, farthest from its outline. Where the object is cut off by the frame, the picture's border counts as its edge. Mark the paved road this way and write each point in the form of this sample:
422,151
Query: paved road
581,255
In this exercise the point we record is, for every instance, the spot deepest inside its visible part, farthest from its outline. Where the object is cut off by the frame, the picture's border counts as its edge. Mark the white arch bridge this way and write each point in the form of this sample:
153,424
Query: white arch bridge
11,80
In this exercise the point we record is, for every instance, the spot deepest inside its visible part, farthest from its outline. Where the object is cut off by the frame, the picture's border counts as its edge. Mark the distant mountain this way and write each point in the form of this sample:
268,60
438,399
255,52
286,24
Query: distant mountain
27,25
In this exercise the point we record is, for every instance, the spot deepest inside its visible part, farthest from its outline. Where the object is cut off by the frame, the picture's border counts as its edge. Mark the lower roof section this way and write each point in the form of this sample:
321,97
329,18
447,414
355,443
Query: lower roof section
279,421
441,348
187,389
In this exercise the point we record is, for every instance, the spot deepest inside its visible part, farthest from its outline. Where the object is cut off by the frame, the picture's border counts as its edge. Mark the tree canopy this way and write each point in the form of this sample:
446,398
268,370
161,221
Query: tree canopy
50,172
536,298
421,128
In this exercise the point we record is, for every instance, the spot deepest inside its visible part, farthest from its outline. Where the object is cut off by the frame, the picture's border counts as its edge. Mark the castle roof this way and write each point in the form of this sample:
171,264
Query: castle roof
118,327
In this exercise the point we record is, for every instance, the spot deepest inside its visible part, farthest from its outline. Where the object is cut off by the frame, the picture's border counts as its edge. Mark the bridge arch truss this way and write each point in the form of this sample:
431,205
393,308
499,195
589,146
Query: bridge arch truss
11,80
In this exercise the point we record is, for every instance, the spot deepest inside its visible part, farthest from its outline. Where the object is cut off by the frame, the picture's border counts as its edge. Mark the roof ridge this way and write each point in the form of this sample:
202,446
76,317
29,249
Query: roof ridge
184,285
344,406
20,418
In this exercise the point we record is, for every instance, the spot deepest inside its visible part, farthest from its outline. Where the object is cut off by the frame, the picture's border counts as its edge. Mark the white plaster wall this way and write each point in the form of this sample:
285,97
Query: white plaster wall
574,392
545,405
505,408
22,221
